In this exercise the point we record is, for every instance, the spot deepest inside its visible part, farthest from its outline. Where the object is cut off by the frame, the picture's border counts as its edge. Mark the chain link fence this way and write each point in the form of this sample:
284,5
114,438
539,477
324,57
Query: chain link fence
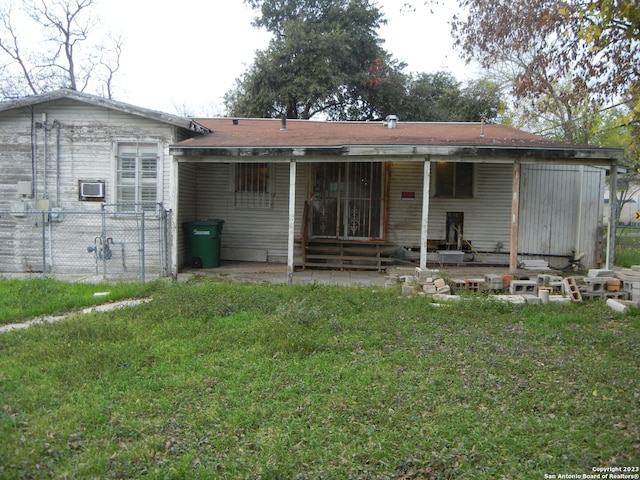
118,242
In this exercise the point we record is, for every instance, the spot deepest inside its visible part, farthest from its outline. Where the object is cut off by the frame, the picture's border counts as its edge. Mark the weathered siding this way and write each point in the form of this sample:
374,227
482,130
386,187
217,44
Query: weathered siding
551,199
187,206
486,215
79,143
248,233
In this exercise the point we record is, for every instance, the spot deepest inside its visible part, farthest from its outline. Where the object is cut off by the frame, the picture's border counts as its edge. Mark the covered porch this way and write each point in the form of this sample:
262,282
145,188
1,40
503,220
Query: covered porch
369,207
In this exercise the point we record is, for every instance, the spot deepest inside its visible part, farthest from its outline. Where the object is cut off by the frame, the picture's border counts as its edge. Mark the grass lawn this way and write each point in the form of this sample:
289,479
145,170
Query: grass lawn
628,246
222,380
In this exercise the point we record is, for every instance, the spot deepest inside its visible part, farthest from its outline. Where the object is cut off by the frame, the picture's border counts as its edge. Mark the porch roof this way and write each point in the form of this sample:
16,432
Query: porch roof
246,137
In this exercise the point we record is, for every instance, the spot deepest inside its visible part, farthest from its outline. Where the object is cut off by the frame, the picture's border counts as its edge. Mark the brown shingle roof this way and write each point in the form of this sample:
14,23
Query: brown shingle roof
268,133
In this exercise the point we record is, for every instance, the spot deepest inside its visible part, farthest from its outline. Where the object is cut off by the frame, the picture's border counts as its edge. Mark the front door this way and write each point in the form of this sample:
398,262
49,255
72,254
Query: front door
347,200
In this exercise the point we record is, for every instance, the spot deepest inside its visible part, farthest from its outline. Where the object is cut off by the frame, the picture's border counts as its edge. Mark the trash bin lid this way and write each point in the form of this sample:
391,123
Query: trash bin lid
212,221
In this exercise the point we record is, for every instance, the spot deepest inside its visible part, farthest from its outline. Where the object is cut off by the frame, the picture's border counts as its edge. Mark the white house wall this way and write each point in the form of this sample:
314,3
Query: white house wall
486,215
248,233
88,136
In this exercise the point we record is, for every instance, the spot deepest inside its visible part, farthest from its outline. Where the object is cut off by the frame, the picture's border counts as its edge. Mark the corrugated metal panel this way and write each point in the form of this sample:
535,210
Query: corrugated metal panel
486,215
550,199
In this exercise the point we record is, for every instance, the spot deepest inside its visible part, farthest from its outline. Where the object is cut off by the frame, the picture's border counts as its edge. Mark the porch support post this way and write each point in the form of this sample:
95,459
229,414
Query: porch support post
426,185
292,219
515,208
613,217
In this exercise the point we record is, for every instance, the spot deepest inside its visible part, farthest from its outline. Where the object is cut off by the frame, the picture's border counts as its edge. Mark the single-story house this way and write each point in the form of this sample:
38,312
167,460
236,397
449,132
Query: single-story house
92,185
324,194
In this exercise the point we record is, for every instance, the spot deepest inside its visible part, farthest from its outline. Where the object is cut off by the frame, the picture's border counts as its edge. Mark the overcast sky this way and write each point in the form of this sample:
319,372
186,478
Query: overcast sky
188,54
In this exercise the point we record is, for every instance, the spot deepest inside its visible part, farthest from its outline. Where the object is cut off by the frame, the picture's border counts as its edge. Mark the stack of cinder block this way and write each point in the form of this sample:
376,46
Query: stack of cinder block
630,278
553,283
602,283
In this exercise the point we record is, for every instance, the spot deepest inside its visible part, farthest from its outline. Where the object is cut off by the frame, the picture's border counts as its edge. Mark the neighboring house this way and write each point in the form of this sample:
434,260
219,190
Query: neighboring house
73,168
92,186
319,193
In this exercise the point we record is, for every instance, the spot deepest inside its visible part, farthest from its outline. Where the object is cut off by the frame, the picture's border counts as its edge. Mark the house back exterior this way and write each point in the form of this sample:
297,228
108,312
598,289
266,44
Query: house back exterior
418,187
97,187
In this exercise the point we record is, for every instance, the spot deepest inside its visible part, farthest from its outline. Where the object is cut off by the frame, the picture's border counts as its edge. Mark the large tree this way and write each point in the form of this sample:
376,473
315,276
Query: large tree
47,44
560,52
439,97
320,59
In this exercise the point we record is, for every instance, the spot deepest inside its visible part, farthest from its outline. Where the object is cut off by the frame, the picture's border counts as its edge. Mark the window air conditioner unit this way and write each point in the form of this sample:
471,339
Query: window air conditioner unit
91,190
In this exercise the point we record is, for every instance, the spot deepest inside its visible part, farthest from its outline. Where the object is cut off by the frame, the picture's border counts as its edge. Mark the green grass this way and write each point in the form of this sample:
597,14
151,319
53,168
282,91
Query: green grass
628,247
25,299
261,381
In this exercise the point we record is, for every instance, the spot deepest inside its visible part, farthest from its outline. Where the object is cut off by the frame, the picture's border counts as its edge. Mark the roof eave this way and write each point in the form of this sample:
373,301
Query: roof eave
163,117
526,153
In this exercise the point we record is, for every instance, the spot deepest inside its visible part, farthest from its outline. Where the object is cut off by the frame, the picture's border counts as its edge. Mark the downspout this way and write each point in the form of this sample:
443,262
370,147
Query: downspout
515,212
44,175
56,124
34,155
292,217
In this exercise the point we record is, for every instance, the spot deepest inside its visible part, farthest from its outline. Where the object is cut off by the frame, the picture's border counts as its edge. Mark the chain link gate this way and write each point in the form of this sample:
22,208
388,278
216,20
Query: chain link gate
128,242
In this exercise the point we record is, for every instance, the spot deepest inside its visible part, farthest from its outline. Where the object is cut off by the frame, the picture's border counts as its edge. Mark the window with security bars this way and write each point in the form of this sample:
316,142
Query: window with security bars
252,185
137,176
454,179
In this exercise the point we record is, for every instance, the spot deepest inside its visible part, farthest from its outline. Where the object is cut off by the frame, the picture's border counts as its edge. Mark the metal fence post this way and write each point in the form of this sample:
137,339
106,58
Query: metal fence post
44,246
142,265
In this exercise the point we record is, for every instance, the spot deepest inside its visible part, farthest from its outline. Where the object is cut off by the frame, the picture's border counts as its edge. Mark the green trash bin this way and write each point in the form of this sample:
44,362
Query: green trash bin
204,242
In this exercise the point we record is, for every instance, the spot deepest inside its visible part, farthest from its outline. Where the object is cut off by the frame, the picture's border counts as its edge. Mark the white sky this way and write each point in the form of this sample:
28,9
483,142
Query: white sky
186,55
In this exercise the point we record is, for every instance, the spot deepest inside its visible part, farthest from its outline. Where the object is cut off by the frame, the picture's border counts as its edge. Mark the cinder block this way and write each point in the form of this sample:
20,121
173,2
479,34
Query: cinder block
473,284
547,279
521,287
532,299
446,290
600,272
407,290
439,283
429,289
596,284
493,281
558,287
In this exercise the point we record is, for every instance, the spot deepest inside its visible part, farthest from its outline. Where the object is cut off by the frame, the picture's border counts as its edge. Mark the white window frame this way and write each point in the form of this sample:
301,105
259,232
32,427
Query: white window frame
146,189
251,188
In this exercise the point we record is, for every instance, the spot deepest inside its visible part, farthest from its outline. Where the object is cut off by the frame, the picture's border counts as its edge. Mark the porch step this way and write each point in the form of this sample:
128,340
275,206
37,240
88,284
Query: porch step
348,254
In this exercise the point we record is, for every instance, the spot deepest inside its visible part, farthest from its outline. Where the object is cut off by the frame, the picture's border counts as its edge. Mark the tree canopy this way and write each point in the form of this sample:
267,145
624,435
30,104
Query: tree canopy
318,60
592,44
326,58
439,97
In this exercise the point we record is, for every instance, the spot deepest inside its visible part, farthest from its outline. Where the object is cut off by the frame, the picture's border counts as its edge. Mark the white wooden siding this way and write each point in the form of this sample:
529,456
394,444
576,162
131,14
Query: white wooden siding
248,233
486,215
88,134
